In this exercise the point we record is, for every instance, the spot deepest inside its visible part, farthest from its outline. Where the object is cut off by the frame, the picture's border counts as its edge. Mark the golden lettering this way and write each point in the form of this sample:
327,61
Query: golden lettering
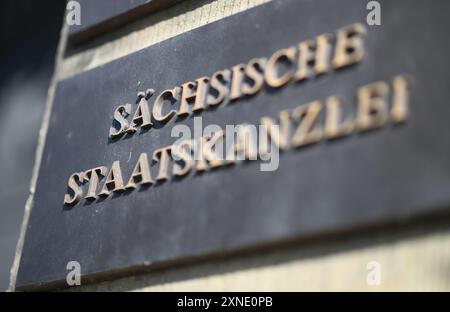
218,85
278,134
399,111
167,95
114,181
142,116
308,130
349,45
308,59
120,114
237,79
73,186
141,173
372,106
313,57
193,93
254,71
181,154
93,176
162,156
334,126
206,152
201,92
271,72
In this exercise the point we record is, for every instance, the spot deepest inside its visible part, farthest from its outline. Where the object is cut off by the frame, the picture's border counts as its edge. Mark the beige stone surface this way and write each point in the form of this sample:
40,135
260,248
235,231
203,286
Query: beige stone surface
413,259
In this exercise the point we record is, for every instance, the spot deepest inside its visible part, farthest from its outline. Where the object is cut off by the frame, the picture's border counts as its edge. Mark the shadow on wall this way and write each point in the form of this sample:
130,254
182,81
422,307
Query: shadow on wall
29,35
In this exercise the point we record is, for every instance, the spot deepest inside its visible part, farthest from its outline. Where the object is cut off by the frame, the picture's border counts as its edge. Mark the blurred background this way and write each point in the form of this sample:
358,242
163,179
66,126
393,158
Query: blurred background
29,35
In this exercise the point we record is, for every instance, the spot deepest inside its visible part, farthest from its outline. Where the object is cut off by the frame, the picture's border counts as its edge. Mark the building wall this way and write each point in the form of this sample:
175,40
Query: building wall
26,65
412,257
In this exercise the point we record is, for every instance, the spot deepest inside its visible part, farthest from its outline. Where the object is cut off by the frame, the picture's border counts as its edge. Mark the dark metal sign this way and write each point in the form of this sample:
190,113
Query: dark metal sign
358,114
